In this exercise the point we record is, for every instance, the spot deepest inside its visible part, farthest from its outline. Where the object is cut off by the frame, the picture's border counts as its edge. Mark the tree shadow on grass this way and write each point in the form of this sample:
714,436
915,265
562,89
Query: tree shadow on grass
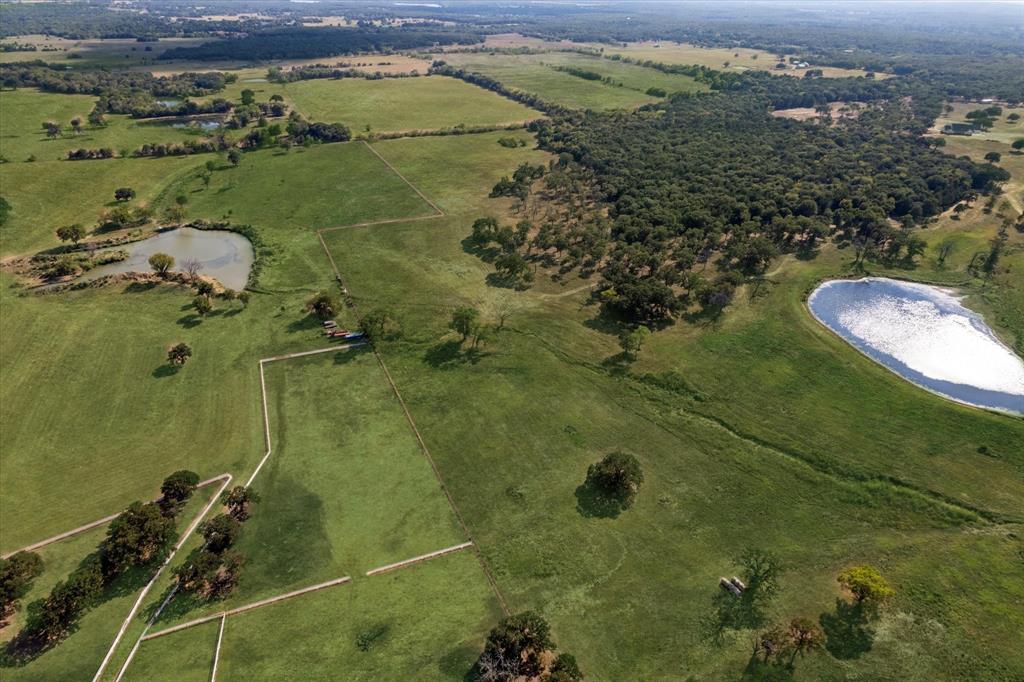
347,355
592,502
450,354
730,613
848,631
140,287
189,321
760,670
165,370
305,324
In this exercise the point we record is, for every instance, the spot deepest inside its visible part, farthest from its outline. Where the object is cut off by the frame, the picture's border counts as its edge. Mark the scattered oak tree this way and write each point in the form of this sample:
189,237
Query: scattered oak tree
179,354
203,305
177,489
464,321
520,648
220,532
323,305
866,584
239,500
618,477
140,534
16,575
71,233
124,194
631,340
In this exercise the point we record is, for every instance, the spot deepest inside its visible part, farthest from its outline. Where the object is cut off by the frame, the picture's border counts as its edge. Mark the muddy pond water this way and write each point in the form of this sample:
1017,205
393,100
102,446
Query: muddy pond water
927,336
223,255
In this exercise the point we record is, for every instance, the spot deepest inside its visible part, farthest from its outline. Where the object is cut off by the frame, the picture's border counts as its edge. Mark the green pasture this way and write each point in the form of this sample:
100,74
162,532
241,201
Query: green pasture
424,622
185,656
22,136
398,104
534,74
809,477
47,195
346,489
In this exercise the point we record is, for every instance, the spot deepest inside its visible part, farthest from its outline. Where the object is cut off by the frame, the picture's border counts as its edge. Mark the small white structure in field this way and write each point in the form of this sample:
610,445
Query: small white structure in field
738,583
727,585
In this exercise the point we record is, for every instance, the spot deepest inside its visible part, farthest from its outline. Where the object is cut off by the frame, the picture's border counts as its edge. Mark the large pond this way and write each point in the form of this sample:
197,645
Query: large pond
226,256
926,335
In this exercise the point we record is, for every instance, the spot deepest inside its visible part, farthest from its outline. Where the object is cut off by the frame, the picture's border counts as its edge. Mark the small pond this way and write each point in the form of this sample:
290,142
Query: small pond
926,335
205,126
223,255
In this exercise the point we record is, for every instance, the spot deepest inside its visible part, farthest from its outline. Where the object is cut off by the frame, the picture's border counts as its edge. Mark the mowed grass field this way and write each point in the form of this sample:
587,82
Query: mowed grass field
751,449
534,74
185,656
400,104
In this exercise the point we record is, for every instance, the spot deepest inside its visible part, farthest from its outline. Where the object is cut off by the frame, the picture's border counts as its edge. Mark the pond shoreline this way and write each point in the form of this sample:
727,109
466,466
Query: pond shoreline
1008,403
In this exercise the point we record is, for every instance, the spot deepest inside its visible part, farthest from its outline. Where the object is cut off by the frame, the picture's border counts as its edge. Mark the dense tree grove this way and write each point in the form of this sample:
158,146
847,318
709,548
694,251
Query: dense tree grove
120,92
310,43
717,175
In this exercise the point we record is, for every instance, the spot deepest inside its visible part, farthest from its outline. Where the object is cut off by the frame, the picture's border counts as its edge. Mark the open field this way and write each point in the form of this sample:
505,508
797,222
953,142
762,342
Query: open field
108,52
384,105
25,110
346,489
769,432
540,389
534,74
729,59
425,622
186,656
1004,130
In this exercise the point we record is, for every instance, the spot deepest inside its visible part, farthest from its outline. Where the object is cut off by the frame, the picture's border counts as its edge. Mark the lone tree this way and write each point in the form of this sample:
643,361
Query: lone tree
16,576
71,233
379,325
760,570
124,193
618,476
993,157
866,584
1018,144
220,532
203,305
239,500
76,125
515,649
805,635
52,129
179,354
177,488
161,263
632,340
464,321
248,97
140,534
323,305
235,157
